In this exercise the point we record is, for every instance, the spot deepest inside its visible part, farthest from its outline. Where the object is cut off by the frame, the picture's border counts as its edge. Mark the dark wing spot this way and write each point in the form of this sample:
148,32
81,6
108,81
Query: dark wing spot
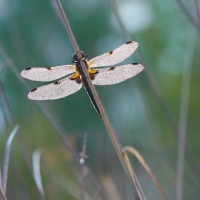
28,68
33,89
78,80
72,78
134,63
56,83
111,52
112,68
92,76
49,68
129,42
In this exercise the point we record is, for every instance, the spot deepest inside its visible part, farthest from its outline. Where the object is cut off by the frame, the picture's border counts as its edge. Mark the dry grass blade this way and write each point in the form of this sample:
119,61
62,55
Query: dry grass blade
7,104
0,179
110,188
7,157
146,167
9,63
2,195
185,94
128,164
36,170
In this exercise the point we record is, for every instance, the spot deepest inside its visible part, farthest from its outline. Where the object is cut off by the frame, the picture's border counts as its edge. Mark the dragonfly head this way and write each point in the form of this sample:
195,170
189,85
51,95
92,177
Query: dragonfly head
75,58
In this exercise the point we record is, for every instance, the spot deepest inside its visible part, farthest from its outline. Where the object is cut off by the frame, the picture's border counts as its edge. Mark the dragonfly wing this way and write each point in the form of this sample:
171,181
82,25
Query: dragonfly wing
113,75
47,74
56,90
115,56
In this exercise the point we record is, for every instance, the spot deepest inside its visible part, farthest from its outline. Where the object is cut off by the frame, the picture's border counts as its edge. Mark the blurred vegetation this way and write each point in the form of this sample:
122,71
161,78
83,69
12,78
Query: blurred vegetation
32,34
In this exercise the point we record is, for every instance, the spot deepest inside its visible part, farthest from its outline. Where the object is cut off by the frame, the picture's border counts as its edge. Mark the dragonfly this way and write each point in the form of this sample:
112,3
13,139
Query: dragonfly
74,77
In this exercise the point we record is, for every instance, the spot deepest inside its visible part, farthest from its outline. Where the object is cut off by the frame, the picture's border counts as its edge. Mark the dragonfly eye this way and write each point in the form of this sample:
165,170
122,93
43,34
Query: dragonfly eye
84,55
75,58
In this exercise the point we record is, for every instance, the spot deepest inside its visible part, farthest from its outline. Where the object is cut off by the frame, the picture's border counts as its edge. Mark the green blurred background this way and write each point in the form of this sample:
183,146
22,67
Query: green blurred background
145,111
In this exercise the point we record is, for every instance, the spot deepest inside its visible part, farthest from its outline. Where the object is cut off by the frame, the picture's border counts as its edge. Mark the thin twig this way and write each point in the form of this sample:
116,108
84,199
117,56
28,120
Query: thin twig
185,92
84,170
83,154
97,187
188,14
109,128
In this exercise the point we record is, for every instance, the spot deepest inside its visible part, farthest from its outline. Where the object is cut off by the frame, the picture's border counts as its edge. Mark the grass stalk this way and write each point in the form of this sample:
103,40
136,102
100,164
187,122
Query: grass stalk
49,118
11,115
187,13
155,86
36,171
185,92
112,134
2,195
146,167
7,157
152,82
128,164
197,10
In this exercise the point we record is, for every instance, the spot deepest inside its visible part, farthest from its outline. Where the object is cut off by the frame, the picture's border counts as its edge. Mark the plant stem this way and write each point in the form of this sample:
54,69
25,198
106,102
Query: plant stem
109,128
186,78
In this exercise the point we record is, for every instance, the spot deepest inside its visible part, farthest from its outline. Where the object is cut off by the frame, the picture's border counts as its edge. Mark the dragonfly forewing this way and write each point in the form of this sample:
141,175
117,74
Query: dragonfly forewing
47,74
115,56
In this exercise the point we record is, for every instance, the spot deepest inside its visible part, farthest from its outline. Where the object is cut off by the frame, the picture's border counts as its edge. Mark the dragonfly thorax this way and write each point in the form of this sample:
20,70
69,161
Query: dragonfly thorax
75,58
